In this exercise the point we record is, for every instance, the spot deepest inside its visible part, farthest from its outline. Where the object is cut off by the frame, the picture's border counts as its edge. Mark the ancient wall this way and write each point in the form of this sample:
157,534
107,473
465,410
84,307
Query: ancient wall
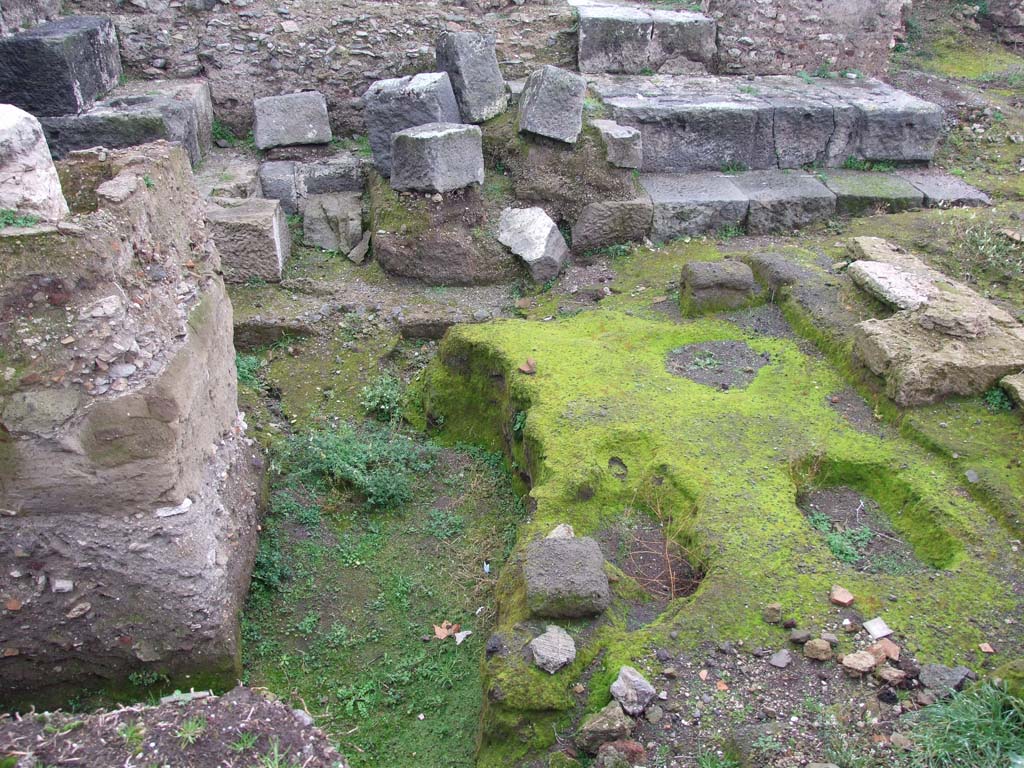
21,14
779,36
127,488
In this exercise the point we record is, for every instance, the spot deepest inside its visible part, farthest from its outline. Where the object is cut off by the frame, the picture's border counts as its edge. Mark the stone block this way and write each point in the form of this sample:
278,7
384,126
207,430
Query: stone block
609,724
532,236
1014,387
624,144
896,287
295,118
692,204
405,102
437,157
552,104
338,173
29,183
61,67
861,192
716,285
565,578
278,182
229,175
611,223
941,190
252,237
472,66
627,40
333,222
781,201
682,42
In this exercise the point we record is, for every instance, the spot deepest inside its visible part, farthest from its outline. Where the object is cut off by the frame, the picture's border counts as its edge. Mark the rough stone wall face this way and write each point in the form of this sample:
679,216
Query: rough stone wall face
1008,18
22,14
127,488
249,48
786,36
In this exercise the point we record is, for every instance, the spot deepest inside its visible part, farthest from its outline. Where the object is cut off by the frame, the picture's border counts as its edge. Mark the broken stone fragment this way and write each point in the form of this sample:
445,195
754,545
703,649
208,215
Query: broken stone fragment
841,596
859,663
891,676
877,628
1014,387
943,680
781,659
437,157
819,649
561,531
294,118
470,60
532,236
799,636
612,222
333,222
553,650
29,183
623,143
552,104
632,691
772,613
610,724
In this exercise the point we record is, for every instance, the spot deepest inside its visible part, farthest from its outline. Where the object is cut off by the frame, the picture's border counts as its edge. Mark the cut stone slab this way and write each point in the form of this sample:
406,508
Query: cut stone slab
716,285
943,190
277,180
532,236
339,173
877,628
781,659
692,204
860,192
565,578
626,40
943,680
437,157
613,222
405,102
610,724
195,94
60,67
624,144
470,60
252,237
552,104
294,118
632,691
1014,387
891,284
333,222
781,201
29,183
553,650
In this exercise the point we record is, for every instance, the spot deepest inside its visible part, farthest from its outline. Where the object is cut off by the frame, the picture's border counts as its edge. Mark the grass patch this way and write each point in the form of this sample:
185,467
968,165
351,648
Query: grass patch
11,218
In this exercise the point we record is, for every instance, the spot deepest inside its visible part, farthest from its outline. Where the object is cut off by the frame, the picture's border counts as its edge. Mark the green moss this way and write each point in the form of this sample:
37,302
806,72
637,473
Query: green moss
394,214
1012,676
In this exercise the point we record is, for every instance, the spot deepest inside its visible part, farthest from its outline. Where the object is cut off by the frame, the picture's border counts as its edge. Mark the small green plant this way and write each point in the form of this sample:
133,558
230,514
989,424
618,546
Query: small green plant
382,398
820,522
749,90
294,220
708,759
131,734
308,624
823,71
9,218
705,360
848,546
248,367
143,678
730,231
996,400
190,730
148,181
853,163
519,423
246,740
222,134
275,758
733,167
805,77
444,524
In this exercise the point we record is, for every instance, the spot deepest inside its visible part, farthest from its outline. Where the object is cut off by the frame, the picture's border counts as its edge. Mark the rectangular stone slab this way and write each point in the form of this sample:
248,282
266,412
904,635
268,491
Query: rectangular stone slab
860,192
252,237
692,204
943,190
781,201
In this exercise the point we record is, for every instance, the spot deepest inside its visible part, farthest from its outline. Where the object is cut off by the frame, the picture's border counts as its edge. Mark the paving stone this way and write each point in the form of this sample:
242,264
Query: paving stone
565,578
623,144
342,172
553,650
534,237
405,102
716,285
632,691
891,284
294,118
437,157
252,237
612,222
782,201
693,204
29,183
861,192
470,60
943,190
609,724
333,222
60,67
278,182
943,680
552,104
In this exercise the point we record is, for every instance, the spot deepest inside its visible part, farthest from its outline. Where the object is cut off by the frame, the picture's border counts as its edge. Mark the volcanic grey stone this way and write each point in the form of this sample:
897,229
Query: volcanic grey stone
437,157
333,222
552,104
294,118
553,650
781,659
338,173
860,192
28,180
278,182
892,285
692,204
405,102
781,201
194,93
60,67
610,724
565,578
533,236
775,271
624,144
632,691
943,680
626,40
716,285
941,190
612,222
472,66
252,237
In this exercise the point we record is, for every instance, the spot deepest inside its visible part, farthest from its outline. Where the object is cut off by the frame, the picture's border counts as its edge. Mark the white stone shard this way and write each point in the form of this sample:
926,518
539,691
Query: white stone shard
29,183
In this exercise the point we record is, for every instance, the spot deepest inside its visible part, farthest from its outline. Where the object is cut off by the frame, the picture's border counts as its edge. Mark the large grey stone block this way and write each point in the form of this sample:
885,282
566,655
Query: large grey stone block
295,118
277,180
781,201
437,157
941,190
252,237
28,180
716,285
532,236
552,104
693,204
565,578
472,66
333,222
60,67
624,144
405,102
860,192
612,222
338,173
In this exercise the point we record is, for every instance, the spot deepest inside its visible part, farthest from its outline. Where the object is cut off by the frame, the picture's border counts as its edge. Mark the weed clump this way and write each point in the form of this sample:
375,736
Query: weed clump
382,398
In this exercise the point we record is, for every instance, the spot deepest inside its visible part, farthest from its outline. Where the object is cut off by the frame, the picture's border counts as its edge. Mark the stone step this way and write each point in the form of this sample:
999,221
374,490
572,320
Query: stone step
623,39
763,202
707,123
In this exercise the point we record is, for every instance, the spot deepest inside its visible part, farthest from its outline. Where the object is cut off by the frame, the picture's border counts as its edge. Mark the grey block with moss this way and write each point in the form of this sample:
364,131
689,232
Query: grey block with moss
565,578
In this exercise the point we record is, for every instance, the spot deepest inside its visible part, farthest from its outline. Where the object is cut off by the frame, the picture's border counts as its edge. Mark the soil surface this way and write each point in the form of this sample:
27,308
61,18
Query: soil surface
720,364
